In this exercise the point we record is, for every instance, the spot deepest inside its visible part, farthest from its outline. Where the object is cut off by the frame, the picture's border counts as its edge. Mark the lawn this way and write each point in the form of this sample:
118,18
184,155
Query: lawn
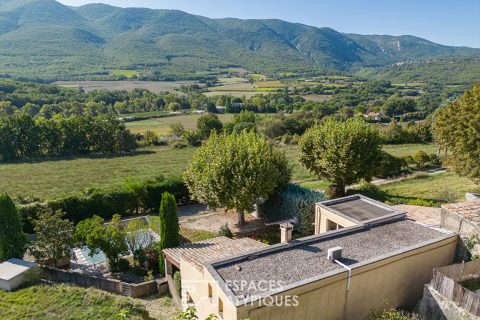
161,126
187,235
437,189
67,302
400,150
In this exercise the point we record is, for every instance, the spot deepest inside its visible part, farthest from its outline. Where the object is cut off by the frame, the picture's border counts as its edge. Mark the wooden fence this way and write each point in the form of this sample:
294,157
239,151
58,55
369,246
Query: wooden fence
110,285
447,281
62,276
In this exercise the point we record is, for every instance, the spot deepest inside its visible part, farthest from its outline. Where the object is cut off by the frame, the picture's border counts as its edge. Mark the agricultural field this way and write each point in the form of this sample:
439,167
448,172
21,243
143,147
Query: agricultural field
61,302
128,85
124,73
54,178
161,126
239,87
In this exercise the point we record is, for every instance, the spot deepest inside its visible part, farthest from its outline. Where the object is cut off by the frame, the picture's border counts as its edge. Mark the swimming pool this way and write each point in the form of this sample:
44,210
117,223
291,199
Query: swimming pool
145,239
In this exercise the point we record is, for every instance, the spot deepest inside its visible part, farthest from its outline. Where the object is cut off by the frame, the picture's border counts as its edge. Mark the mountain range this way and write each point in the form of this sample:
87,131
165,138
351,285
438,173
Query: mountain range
44,39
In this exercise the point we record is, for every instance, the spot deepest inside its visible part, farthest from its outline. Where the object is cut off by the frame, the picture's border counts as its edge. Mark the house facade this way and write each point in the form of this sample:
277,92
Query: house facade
343,273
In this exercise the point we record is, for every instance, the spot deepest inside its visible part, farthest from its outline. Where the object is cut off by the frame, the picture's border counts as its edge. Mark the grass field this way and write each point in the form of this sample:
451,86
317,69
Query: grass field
437,188
125,73
54,178
400,150
161,126
61,302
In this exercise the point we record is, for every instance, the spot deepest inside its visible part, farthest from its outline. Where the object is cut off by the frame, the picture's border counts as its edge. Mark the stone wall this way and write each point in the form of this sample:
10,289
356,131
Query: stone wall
434,306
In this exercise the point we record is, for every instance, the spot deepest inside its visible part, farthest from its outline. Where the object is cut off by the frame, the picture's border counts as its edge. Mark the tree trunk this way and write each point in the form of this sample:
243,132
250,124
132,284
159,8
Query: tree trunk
338,190
241,218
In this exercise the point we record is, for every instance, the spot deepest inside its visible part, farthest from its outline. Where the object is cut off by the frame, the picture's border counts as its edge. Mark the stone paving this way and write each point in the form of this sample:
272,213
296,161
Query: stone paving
425,215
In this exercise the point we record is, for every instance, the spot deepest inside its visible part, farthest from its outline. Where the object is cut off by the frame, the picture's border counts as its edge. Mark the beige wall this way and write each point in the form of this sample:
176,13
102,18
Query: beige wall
322,216
195,283
397,281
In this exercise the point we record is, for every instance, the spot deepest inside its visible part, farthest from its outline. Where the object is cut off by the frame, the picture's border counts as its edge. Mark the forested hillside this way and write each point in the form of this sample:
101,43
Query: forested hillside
43,39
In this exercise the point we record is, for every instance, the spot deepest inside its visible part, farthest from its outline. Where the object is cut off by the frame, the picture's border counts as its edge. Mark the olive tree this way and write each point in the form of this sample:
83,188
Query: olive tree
342,153
234,171
12,239
457,129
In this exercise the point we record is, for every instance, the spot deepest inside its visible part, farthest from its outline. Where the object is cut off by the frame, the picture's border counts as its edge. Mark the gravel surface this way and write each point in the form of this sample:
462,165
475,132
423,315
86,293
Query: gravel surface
287,266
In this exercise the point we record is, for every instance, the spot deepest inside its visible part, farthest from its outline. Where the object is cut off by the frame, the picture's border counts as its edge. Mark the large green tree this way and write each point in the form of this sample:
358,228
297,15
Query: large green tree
110,239
54,236
169,226
208,123
233,171
12,239
341,152
457,128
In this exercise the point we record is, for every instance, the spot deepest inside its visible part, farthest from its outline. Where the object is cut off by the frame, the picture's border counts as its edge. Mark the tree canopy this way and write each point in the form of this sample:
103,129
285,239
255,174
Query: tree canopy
208,123
341,152
53,236
457,128
234,171
110,238
12,239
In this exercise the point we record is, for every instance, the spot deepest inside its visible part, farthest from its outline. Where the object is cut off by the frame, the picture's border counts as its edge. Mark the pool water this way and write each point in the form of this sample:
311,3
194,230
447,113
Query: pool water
145,238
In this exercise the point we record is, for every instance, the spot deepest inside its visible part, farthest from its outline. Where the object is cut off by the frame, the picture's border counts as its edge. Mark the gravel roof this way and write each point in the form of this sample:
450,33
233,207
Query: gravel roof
307,258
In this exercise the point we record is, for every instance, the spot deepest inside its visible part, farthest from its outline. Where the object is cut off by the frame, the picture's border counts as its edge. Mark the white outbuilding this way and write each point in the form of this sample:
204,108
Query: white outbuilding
12,273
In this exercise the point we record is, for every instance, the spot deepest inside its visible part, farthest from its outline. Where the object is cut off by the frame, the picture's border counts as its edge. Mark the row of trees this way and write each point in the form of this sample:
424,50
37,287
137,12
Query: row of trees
39,100
22,137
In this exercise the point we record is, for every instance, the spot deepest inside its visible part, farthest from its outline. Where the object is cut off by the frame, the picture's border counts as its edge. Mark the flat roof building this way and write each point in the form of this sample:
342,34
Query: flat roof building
351,211
12,273
344,273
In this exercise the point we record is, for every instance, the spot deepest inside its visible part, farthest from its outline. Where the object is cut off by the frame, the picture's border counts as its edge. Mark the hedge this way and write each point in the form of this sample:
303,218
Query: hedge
106,203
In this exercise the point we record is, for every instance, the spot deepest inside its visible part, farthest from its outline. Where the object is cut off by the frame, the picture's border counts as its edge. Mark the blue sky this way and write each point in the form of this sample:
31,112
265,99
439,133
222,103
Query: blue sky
451,22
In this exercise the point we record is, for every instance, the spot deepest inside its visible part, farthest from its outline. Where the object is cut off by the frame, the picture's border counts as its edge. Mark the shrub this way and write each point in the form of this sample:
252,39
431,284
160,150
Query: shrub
225,231
390,165
208,123
294,202
393,314
421,159
122,265
370,190
179,144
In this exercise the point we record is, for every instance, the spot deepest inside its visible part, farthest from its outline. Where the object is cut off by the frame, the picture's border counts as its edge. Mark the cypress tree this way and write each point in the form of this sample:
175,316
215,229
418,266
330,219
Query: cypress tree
169,227
12,239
